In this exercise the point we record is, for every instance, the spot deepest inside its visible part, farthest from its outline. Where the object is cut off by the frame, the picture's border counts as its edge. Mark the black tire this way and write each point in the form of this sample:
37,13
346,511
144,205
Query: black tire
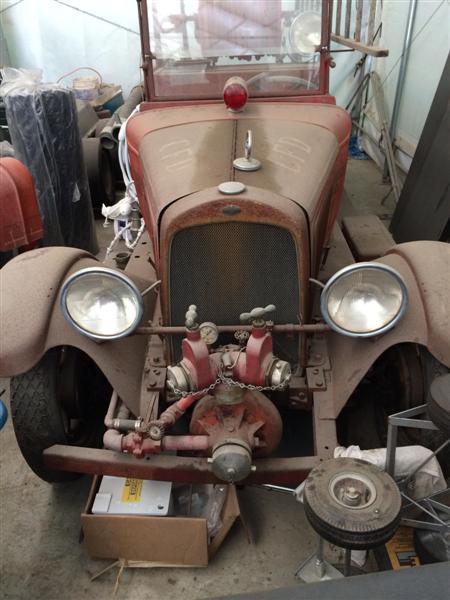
61,400
354,527
438,403
400,379
99,172
396,382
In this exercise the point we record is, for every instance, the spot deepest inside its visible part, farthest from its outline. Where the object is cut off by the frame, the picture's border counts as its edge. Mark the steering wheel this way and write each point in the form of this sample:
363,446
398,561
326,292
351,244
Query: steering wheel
269,79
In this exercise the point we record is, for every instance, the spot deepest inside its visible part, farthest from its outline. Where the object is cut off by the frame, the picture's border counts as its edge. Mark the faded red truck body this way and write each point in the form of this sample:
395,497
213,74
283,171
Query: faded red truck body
190,377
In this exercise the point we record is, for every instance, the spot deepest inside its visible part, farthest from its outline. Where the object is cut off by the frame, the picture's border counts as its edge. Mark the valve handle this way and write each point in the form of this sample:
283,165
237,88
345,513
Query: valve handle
191,317
257,313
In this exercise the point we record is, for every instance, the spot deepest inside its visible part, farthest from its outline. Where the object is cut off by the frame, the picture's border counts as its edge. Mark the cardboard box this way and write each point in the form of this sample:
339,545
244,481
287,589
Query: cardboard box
162,541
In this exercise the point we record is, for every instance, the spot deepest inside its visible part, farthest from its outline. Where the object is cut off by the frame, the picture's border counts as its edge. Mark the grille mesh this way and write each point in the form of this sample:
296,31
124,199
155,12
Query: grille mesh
229,268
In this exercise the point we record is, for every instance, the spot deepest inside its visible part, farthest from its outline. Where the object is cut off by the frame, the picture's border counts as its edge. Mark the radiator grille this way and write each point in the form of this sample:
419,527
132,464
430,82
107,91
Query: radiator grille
229,268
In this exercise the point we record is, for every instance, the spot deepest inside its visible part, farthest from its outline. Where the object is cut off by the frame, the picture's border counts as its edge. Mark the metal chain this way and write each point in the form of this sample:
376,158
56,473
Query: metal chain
205,390
223,379
249,386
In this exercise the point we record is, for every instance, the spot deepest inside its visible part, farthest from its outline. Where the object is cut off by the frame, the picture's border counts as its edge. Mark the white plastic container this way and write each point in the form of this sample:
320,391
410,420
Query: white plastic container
129,496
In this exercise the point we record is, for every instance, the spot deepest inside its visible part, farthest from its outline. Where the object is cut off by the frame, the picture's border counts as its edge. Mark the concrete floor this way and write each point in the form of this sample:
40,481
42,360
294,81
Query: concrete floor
41,556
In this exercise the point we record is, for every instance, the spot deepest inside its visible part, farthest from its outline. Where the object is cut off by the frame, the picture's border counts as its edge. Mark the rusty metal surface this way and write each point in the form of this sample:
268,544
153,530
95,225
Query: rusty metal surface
167,145
254,416
324,424
338,257
32,321
256,205
297,157
282,471
29,288
430,264
367,236
191,139
425,266
313,99
281,328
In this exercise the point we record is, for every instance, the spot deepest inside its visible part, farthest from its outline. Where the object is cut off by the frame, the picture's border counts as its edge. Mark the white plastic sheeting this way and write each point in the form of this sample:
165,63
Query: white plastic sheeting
428,480
60,35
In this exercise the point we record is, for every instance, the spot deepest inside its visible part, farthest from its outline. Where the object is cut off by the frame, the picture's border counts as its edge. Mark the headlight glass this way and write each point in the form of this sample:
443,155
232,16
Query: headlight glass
364,300
101,303
305,35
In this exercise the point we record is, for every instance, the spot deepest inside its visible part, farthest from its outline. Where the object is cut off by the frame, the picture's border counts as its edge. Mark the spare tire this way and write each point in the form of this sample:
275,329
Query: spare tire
352,503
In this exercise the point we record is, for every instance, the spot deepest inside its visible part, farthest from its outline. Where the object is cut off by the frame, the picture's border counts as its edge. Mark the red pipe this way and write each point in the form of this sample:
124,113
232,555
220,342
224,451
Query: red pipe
185,442
175,411
134,443
184,403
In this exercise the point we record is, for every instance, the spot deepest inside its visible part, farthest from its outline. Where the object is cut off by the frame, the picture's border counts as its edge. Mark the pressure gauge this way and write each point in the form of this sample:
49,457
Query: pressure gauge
209,333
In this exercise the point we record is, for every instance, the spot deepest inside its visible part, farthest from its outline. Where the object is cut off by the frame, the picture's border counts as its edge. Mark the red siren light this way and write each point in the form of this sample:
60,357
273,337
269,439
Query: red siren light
235,94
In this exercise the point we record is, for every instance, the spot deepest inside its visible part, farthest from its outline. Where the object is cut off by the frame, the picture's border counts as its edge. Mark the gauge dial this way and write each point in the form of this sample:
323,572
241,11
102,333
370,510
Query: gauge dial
209,333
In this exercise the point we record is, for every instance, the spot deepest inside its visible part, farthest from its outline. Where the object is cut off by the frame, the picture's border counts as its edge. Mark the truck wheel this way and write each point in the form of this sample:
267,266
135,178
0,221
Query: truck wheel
351,503
61,400
438,403
394,383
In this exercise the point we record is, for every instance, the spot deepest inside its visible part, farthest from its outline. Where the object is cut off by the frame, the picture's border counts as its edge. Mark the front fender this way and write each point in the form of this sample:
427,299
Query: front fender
31,321
425,266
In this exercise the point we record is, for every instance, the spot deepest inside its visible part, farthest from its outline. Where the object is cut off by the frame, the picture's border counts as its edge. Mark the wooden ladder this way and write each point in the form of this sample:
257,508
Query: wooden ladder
353,25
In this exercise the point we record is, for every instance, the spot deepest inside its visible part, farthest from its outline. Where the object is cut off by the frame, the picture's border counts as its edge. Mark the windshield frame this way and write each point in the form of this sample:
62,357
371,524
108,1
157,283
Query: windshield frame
147,64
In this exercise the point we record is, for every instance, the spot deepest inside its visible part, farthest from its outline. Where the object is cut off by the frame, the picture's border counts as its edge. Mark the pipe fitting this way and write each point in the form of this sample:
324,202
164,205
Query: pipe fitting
178,378
112,440
232,460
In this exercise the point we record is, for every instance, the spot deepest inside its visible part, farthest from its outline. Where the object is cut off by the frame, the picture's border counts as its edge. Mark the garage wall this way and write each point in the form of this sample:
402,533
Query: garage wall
427,58
60,35
429,51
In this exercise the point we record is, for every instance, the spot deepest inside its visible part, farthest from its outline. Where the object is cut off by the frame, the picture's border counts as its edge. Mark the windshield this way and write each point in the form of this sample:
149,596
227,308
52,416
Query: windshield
196,45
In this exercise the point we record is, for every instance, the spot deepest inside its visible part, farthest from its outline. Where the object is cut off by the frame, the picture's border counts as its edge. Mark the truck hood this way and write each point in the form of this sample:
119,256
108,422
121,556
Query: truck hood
177,151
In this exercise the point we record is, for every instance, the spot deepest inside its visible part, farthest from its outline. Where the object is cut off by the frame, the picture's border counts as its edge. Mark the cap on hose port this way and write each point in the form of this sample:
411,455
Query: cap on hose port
232,461
235,94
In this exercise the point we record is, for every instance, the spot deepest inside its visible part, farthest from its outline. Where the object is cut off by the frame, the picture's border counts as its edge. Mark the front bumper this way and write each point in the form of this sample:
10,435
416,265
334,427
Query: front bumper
180,469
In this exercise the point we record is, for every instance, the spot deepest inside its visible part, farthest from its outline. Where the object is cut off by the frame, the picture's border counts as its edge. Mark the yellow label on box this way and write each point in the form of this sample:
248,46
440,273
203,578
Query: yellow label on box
401,550
132,490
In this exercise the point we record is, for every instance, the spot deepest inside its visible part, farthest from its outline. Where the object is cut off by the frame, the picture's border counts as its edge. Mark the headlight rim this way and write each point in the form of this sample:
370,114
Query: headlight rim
355,267
117,275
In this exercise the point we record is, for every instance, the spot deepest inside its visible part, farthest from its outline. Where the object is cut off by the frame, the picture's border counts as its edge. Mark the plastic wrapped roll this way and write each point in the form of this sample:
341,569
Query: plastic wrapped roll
42,121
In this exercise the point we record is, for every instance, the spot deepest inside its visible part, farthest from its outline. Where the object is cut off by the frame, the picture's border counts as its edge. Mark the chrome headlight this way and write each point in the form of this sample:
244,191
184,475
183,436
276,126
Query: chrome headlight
305,35
101,303
364,299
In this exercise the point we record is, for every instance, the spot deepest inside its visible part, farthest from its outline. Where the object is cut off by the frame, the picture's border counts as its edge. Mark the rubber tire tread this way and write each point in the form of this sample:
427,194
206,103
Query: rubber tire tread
438,414
37,415
353,540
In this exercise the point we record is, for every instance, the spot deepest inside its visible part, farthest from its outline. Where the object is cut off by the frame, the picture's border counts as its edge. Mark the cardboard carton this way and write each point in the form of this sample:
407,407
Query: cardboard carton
163,541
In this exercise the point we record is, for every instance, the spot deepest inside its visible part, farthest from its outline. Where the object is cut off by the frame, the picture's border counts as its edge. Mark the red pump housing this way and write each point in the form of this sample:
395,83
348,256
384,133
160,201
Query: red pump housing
251,367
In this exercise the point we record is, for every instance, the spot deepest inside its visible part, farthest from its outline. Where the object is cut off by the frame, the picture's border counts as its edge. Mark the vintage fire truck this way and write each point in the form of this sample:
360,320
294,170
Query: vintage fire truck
243,340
